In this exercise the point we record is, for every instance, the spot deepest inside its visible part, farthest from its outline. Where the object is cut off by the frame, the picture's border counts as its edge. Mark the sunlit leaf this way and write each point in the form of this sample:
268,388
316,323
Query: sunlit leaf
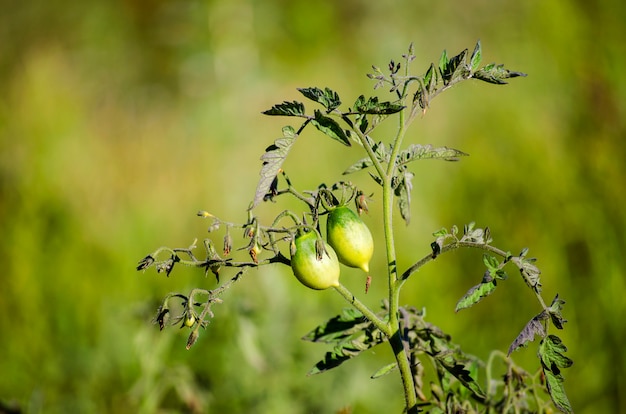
475,295
421,152
359,165
385,370
273,159
476,57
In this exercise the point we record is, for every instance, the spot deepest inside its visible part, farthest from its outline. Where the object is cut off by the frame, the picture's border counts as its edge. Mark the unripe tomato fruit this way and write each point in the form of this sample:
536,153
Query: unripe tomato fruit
311,272
350,237
190,320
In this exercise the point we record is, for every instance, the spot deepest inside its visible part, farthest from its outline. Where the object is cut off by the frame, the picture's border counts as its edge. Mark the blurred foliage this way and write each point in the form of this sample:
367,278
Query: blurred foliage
119,120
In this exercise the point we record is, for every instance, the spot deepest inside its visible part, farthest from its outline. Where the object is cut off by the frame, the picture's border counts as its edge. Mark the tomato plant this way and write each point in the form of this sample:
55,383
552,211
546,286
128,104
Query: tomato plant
413,340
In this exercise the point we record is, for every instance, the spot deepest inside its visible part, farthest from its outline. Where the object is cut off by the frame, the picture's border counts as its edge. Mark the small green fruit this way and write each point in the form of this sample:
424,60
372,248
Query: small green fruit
350,237
312,272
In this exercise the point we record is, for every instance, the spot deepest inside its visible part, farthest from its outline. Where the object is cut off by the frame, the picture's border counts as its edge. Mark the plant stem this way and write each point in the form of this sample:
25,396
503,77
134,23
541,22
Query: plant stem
361,307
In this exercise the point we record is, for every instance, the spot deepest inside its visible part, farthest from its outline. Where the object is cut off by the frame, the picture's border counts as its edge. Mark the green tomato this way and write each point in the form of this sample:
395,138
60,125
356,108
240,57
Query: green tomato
350,237
309,270
190,320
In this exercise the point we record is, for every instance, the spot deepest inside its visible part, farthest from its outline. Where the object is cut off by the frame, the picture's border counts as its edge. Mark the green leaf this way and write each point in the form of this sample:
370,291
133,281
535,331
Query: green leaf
403,184
456,68
423,152
286,109
495,74
385,370
491,263
350,332
330,127
555,312
532,328
328,98
359,165
443,61
373,107
475,295
551,353
338,328
530,273
381,152
476,57
272,161
459,370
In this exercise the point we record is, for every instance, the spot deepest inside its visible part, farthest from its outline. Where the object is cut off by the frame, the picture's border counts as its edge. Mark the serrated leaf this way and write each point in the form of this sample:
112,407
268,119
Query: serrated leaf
461,373
530,273
379,149
551,353
338,327
373,107
491,262
358,166
330,127
385,370
475,295
347,350
294,108
327,97
423,152
456,68
555,312
273,159
402,189
533,328
495,74
476,57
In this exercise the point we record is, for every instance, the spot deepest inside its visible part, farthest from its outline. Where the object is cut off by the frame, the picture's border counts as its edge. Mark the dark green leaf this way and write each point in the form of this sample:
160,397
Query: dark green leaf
532,328
338,328
555,312
476,57
476,294
495,74
328,98
459,370
551,354
272,161
456,68
286,109
330,127
373,107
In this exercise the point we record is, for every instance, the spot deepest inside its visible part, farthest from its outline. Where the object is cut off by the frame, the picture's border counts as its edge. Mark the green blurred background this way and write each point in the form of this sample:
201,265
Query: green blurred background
120,119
